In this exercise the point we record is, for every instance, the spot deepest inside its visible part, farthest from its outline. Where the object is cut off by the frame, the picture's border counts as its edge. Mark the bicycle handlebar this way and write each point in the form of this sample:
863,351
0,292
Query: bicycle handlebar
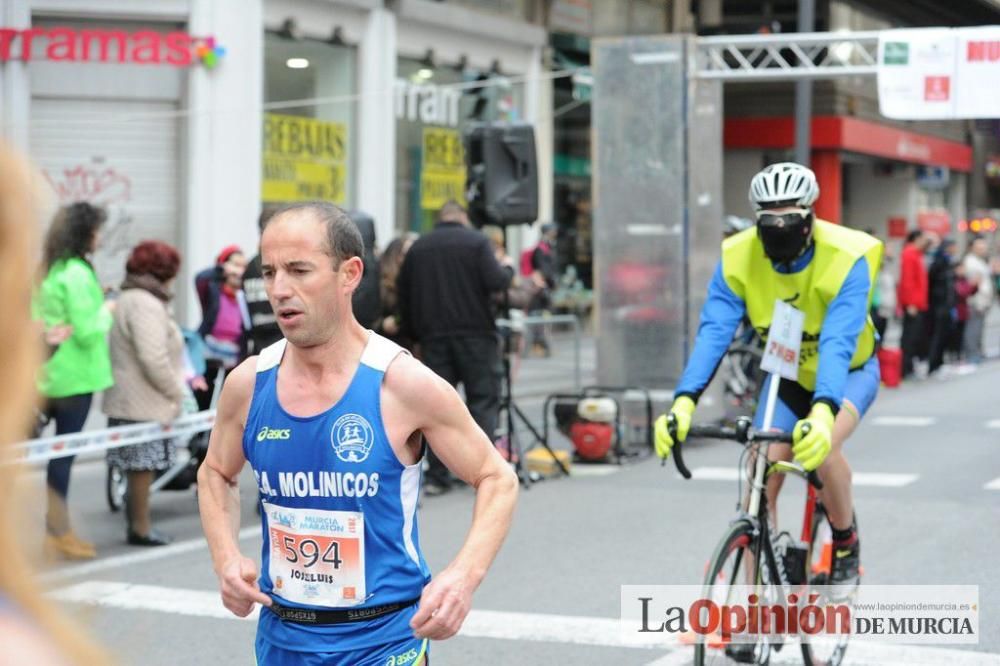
742,433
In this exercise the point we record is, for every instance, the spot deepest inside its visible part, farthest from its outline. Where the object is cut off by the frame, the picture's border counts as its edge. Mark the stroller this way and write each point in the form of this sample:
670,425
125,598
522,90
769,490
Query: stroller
184,472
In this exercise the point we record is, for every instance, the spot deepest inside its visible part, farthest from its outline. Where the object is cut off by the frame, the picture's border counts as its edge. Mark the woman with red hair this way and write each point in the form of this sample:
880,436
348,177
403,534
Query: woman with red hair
147,358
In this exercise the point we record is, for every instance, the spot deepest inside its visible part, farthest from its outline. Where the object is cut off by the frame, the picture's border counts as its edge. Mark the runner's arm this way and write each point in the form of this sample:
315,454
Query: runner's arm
466,450
720,317
838,338
218,476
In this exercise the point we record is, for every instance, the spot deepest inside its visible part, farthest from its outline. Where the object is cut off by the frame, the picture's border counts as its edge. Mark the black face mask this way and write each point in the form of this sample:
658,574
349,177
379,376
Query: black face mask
785,236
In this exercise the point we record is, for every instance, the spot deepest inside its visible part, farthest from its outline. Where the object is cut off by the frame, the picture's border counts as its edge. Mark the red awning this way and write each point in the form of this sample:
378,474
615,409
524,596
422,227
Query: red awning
851,134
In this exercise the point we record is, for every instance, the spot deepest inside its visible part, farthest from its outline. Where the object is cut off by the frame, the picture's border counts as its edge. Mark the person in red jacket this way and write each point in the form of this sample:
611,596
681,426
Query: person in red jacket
911,293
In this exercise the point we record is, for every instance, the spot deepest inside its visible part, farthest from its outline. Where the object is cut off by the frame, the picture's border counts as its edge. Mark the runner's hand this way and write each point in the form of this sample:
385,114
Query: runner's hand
238,583
443,606
682,410
812,446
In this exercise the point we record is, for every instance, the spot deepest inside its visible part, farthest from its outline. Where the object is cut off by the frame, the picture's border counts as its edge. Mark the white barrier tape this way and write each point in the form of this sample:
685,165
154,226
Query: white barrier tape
59,446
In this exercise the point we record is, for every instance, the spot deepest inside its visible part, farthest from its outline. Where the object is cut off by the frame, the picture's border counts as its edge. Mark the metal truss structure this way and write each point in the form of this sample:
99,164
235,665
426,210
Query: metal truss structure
787,57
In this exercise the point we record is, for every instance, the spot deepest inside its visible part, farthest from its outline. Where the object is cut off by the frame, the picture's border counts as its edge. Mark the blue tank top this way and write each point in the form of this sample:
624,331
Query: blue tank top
338,509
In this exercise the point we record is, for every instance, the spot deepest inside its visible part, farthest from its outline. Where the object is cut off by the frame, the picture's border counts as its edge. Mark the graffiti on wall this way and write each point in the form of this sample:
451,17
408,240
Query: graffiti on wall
110,189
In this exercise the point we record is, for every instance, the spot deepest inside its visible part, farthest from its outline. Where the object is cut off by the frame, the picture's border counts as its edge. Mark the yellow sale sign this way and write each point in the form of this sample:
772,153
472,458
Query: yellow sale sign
304,159
442,175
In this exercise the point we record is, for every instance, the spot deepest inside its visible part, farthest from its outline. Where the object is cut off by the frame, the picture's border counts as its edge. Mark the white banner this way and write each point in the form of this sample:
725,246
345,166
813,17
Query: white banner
939,73
977,82
915,73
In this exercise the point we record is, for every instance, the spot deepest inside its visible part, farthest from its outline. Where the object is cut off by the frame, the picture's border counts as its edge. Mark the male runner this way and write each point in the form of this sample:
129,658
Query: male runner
826,271
330,419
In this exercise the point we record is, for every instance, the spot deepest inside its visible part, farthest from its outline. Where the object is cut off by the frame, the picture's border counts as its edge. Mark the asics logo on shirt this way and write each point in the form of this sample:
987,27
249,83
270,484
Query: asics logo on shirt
267,433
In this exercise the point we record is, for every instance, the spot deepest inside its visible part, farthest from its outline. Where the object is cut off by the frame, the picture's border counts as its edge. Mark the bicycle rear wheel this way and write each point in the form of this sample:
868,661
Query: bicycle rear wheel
821,650
727,571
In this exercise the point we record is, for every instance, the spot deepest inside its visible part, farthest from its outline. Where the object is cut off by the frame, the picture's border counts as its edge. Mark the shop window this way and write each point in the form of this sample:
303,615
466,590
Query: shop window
434,103
309,122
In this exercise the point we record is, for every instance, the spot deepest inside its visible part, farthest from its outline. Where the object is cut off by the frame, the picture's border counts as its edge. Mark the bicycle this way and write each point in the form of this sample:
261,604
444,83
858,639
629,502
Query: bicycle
772,562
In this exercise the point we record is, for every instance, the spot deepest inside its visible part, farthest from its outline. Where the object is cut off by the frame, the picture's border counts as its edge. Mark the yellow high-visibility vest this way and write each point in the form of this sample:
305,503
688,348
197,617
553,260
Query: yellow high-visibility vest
751,276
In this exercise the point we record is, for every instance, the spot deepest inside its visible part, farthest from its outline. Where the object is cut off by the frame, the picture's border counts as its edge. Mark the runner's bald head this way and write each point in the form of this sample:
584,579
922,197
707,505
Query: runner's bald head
343,240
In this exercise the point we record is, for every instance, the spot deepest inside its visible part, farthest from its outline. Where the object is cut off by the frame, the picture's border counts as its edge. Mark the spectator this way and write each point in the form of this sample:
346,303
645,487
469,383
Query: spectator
977,270
365,301
941,301
912,294
389,264
32,631
546,276
445,288
147,355
224,317
963,289
264,330
81,366
884,299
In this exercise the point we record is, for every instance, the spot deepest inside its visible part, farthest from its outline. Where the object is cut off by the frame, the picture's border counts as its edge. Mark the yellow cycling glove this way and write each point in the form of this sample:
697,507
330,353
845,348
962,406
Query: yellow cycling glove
682,410
811,448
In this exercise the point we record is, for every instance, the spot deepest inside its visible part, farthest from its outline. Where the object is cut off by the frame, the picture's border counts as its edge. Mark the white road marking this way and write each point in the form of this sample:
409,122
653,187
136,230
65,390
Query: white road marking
883,480
587,469
565,629
715,474
904,421
995,423
860,478
76,571
993,485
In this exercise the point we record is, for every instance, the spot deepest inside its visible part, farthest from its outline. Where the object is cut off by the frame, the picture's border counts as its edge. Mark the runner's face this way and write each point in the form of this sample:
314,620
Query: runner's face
311,299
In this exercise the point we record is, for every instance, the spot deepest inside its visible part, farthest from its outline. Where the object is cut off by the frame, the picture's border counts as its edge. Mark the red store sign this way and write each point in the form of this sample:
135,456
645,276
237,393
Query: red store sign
145,47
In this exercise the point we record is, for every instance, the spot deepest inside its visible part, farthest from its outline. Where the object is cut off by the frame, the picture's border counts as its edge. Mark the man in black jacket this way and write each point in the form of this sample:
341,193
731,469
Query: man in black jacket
444,290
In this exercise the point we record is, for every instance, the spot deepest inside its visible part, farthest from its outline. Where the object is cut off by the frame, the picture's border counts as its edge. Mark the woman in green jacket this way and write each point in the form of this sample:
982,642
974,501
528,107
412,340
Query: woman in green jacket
71,295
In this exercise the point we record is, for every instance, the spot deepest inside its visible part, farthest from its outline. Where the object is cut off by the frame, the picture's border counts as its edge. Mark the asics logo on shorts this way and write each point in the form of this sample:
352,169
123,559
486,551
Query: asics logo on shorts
267,433
402,659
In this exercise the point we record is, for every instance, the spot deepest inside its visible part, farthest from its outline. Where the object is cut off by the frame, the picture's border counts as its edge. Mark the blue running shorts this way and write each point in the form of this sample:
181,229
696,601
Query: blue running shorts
411,652
794,401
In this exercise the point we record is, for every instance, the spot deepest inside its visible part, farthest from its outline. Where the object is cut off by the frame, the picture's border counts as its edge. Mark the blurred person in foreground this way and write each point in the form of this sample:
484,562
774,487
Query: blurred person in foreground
445,299
70,294
147,357
224,317
31,630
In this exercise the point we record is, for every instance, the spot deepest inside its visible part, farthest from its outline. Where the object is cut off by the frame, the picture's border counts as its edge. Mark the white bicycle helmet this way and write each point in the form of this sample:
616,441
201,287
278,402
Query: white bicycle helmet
784,184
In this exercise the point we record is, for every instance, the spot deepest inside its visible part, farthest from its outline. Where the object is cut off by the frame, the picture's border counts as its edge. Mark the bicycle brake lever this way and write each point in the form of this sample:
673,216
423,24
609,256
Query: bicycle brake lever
678,457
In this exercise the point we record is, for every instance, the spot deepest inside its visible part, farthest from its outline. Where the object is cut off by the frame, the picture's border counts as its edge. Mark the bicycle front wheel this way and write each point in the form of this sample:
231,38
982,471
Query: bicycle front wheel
732,567
821,650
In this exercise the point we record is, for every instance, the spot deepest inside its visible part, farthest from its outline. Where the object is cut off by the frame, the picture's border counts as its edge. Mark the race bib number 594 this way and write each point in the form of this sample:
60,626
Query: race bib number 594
317,557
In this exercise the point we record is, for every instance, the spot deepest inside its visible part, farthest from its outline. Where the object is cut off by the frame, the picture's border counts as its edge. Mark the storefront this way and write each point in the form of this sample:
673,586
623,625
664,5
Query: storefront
434,105
310,104
871,176
104,103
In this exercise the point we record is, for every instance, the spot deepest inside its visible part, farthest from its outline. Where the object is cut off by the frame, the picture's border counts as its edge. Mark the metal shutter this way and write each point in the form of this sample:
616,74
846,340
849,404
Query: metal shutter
120,154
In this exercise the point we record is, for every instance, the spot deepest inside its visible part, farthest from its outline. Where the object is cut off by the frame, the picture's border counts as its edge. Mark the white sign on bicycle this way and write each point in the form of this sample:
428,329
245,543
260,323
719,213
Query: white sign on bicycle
784,341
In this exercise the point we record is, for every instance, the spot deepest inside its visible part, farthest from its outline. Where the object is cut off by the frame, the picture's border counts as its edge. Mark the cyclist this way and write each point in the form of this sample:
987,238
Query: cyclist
826,271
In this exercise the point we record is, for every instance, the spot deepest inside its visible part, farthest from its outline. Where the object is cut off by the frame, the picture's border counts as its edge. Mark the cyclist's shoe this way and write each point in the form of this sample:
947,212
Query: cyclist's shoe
845,571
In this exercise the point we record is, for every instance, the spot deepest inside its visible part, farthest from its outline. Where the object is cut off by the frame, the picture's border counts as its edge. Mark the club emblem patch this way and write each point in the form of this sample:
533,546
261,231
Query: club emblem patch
352,438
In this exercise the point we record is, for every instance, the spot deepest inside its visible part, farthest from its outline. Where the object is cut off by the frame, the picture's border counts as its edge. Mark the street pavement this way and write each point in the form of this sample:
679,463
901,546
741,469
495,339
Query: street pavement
927,473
